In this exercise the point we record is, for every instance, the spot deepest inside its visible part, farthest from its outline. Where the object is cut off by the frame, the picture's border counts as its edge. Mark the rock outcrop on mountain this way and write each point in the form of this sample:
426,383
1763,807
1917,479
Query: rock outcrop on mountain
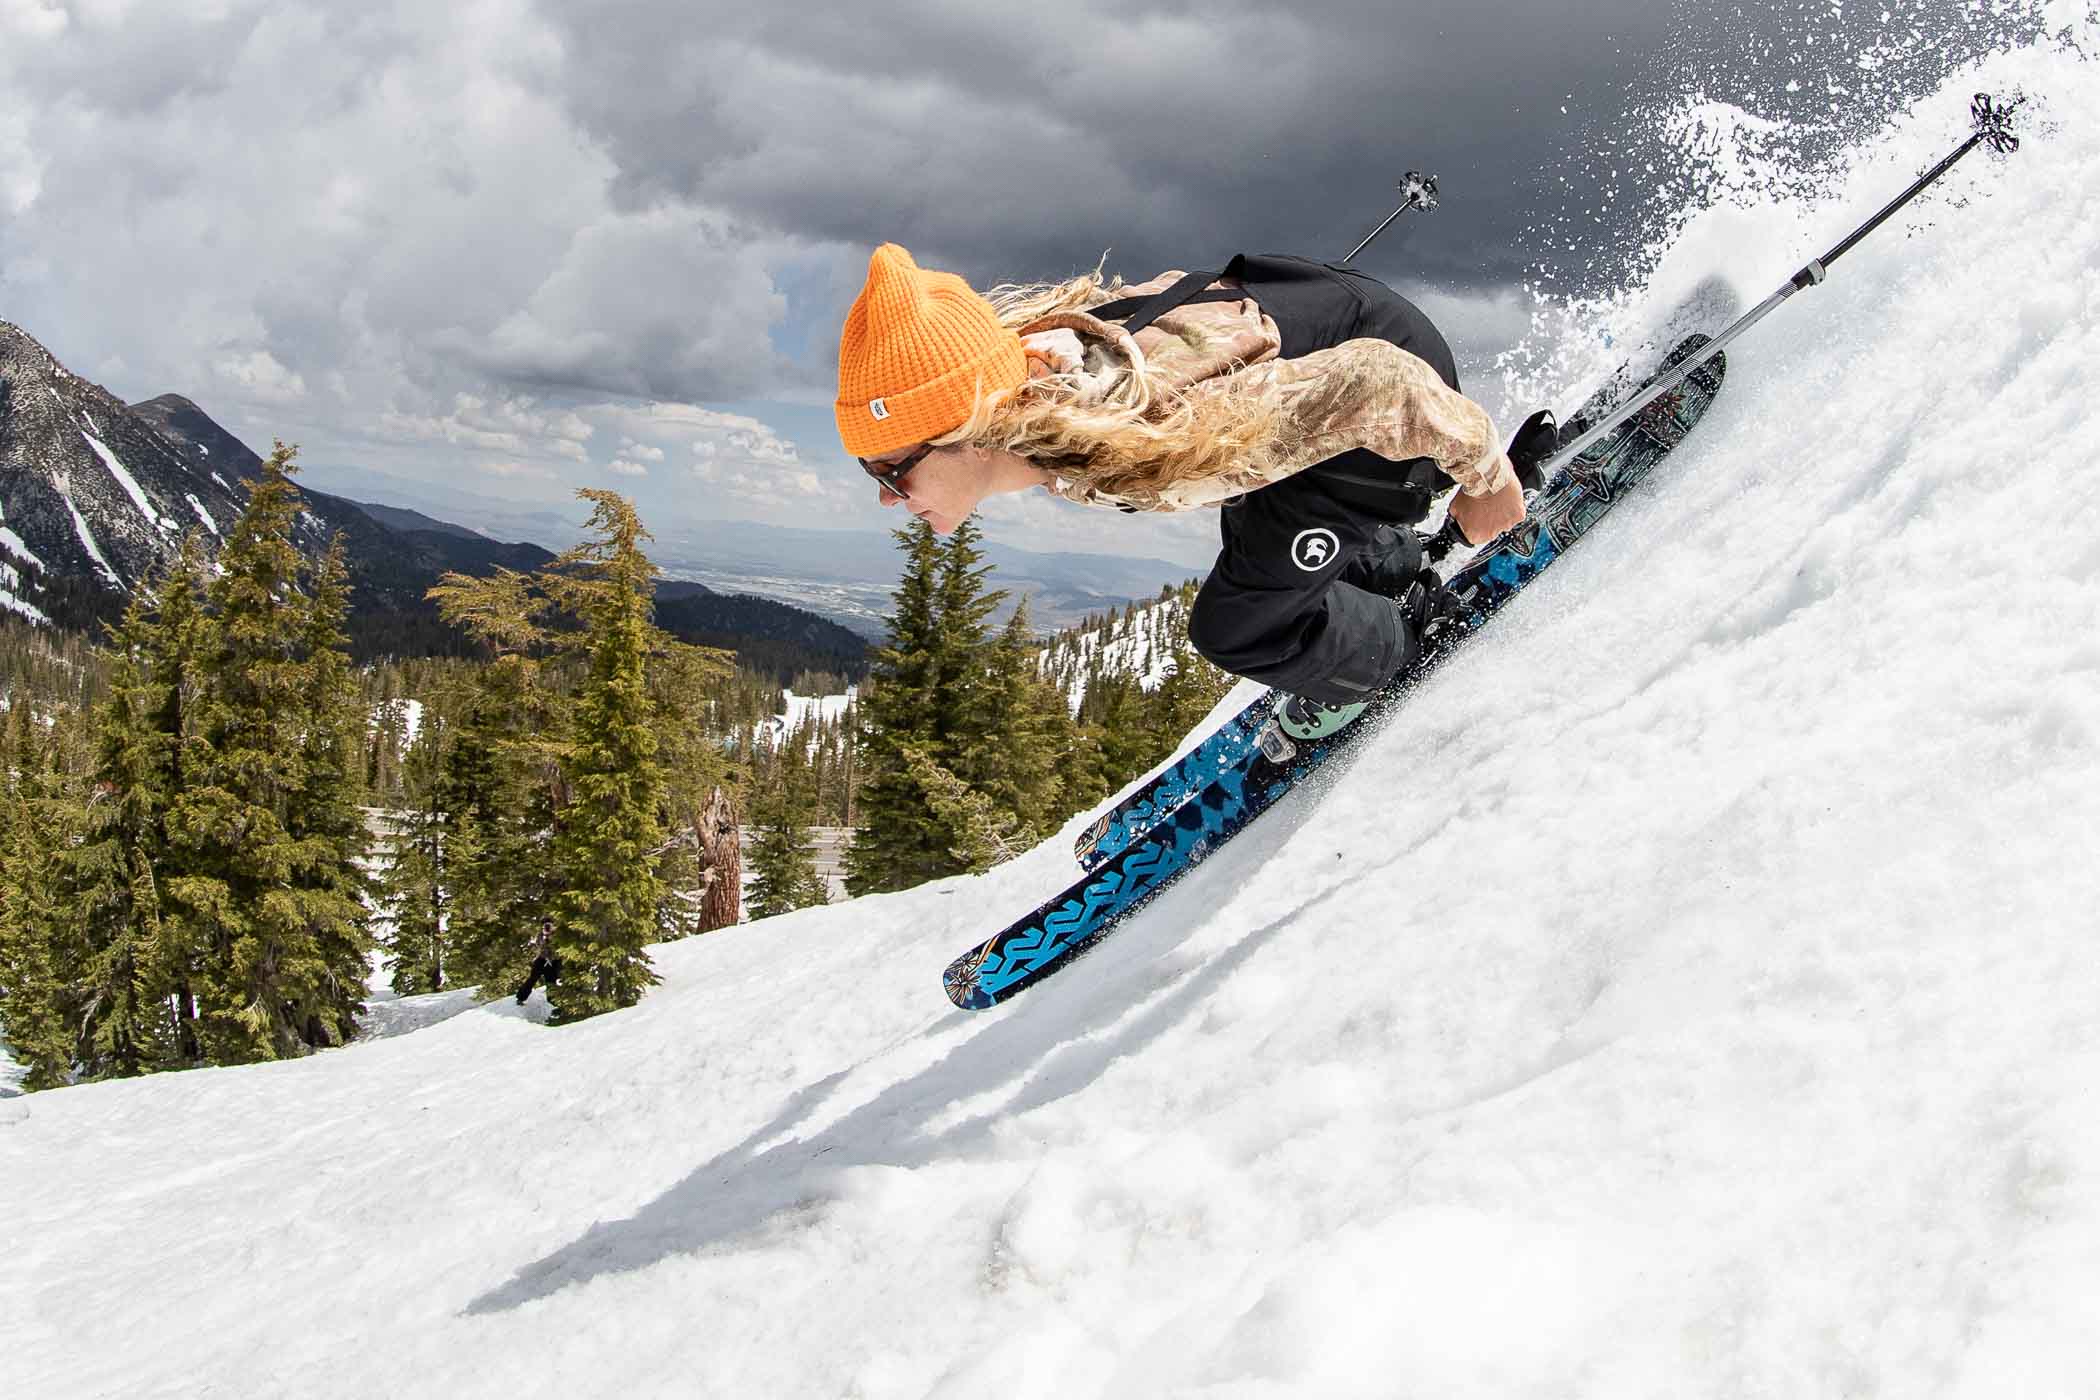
93,497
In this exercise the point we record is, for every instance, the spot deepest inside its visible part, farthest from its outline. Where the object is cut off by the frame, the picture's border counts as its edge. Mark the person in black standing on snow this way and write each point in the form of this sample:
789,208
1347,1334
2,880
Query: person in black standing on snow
546,964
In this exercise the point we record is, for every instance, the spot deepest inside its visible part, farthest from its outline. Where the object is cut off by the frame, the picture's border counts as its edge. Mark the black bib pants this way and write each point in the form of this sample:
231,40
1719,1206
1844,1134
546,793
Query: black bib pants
1301,597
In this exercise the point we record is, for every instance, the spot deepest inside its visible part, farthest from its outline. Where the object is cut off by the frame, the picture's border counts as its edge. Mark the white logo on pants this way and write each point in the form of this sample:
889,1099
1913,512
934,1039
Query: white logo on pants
1314,550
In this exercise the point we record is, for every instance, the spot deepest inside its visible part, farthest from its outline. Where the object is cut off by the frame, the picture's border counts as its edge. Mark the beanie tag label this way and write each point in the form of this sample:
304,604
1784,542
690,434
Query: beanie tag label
880,409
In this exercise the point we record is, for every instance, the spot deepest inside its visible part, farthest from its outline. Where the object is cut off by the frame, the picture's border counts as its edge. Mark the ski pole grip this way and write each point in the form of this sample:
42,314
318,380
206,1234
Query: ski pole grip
1535,442
1438,546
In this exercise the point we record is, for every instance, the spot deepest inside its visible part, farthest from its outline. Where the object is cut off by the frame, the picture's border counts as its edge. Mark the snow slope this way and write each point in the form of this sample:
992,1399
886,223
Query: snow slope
1693,993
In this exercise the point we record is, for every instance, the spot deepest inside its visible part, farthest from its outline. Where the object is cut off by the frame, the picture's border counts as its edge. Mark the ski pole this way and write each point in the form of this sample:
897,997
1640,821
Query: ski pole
1993,128
1418,191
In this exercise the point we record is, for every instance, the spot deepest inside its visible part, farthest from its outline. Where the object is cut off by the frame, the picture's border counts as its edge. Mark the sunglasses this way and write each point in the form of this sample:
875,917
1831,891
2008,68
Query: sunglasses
892,474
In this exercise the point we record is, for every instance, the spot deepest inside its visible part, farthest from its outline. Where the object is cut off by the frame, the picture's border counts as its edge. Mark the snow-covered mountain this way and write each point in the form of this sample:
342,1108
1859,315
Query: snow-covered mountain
95,494
92,496
1692,993
1137,640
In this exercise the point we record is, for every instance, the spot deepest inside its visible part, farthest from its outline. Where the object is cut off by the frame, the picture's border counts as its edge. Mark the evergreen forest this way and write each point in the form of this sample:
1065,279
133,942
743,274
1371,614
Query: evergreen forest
221,837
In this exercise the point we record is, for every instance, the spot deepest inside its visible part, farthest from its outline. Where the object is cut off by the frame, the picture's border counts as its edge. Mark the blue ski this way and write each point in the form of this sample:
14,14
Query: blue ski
1048,938
1226,747
1232,743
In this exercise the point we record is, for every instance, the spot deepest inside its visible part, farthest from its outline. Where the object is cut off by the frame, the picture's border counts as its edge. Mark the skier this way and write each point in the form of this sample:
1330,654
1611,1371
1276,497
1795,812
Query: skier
546,963
1314,406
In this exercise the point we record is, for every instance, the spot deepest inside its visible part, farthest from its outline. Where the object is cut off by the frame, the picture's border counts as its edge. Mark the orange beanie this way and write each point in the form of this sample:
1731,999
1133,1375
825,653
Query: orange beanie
917,347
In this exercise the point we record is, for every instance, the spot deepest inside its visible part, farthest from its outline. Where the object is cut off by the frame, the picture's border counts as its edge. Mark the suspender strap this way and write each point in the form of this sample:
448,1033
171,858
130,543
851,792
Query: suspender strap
1140,312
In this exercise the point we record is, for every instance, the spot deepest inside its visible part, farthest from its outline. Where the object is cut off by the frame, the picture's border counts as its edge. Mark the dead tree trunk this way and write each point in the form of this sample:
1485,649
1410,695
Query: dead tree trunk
721,861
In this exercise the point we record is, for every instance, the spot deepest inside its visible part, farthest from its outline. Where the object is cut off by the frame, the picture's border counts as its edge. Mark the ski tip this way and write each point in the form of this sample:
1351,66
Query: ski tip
961,984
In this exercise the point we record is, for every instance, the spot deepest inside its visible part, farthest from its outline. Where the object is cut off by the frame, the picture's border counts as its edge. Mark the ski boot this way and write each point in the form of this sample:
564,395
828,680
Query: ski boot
1312,719
1429,613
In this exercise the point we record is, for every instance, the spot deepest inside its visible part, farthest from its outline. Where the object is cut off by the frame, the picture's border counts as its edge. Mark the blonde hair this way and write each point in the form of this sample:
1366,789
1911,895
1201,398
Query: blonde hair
1141,435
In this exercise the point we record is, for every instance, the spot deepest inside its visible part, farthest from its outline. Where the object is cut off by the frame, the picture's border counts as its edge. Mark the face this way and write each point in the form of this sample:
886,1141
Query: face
943,487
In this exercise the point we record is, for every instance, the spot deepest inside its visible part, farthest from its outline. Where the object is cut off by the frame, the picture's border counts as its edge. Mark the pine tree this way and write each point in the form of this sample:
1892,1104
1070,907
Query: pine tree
498,776
896,841
1116,710
323,817
608,839
111,889
962,720
413,890
1012,758
181,635
783,873
694,769
386,742
39,1013
980,834
257,837
1187,694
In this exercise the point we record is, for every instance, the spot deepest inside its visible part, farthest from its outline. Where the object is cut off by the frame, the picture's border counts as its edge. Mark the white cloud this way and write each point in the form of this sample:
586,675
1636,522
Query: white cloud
1037,520
747,448
767,486
31,19
513,425
679,422
694,327
385,202
21,172
620,466
262,378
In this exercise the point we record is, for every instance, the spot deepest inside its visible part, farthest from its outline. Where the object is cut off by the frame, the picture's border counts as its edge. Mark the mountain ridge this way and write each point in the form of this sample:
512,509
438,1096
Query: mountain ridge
96,495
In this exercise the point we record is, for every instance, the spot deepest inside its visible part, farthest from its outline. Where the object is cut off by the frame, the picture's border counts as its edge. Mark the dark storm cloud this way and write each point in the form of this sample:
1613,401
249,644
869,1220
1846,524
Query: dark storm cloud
1021,141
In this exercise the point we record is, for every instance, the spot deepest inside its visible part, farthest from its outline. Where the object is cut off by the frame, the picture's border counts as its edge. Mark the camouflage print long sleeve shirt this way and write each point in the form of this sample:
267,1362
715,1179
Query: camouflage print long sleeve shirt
1363,393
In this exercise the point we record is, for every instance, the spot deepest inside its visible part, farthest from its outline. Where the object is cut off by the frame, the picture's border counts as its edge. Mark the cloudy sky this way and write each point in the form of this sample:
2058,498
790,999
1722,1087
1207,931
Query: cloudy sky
474,255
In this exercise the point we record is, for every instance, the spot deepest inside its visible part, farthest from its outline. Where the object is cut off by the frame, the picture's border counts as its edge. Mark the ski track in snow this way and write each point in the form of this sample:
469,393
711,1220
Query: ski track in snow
1690,994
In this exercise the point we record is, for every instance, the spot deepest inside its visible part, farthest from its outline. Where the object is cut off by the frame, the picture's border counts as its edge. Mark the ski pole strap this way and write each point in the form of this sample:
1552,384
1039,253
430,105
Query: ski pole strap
1136,313
1437,547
